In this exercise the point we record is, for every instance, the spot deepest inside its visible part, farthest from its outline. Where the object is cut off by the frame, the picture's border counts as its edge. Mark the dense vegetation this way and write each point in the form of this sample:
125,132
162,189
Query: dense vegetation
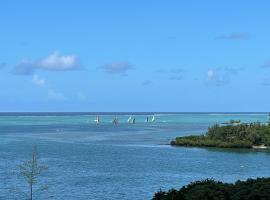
229,136
251,189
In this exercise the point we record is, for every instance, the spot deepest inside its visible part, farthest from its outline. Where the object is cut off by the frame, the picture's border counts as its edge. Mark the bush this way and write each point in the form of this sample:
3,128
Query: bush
212,190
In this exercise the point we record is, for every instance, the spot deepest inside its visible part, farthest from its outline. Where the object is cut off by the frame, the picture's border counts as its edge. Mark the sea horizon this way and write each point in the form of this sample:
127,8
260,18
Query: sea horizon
120,112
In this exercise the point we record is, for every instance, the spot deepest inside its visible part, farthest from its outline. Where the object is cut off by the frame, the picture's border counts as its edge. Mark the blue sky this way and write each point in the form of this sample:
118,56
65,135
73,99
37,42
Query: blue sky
139,55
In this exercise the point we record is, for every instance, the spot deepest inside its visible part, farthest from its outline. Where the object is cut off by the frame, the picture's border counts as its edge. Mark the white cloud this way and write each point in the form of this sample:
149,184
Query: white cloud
56,61
53,62
38,81
53,95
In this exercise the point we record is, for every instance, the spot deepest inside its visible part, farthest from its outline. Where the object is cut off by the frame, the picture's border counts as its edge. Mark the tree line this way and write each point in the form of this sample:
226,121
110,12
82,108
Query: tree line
229,136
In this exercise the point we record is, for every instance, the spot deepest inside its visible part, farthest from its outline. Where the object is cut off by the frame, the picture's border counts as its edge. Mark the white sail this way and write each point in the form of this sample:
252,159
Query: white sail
147,119
129,120
153,118
97,120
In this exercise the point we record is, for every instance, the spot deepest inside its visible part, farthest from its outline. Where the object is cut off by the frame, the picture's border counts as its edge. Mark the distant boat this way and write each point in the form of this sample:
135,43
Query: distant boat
115,121
133,121
147,119
97,120
129,120
153,118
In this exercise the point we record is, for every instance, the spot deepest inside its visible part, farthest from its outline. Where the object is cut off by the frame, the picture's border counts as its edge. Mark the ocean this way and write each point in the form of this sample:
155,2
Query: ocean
124,161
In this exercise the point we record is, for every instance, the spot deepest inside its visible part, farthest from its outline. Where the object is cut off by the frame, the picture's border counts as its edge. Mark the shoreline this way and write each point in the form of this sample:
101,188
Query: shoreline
253,135
262,147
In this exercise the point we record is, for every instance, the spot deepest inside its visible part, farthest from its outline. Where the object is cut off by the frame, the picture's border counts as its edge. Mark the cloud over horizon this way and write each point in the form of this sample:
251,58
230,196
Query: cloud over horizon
53,62
221,76
51,93
117,68
234,36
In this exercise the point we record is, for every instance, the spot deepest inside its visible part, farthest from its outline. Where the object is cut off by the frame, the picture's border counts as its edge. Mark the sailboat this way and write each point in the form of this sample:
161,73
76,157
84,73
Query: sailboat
115,121
147,119
153,118
129,120
97,120
133,120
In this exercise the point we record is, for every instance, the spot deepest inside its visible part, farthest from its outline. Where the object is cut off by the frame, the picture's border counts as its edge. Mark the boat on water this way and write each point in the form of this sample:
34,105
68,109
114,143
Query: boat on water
97,120
133,120
153,119
129,120
115,121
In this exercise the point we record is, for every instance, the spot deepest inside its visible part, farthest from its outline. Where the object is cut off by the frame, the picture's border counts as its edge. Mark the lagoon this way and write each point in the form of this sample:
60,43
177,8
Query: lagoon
127,161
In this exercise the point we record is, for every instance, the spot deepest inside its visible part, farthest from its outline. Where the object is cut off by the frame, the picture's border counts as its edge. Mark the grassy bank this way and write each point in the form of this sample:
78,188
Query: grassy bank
229,136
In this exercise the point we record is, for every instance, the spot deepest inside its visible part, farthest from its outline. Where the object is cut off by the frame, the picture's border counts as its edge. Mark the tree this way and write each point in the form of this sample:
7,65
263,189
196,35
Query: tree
30,170
209,189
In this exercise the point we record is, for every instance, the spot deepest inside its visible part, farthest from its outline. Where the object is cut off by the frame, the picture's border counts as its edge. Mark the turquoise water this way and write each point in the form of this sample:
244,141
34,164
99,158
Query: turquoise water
127,161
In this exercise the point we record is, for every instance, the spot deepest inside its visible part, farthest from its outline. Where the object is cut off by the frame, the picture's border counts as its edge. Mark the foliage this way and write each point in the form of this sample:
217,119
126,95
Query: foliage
30,170
212,190
229,136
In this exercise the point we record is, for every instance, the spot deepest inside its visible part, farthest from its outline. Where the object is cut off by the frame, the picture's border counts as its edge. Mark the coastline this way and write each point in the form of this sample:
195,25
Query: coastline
254,135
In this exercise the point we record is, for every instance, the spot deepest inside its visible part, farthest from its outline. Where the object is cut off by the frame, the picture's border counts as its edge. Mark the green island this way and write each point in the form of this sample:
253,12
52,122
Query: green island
252,189
233,135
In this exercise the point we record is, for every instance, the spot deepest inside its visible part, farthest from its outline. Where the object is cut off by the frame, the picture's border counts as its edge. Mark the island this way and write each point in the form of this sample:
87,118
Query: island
244,135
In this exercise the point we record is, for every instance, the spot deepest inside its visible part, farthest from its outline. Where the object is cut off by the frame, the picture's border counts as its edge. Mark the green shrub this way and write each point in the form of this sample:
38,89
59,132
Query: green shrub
212,190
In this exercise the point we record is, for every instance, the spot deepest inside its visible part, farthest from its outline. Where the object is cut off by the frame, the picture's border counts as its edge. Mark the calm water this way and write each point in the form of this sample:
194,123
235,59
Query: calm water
127,161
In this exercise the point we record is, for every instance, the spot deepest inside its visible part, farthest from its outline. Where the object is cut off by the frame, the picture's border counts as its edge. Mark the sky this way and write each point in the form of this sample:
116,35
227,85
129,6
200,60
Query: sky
134,56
